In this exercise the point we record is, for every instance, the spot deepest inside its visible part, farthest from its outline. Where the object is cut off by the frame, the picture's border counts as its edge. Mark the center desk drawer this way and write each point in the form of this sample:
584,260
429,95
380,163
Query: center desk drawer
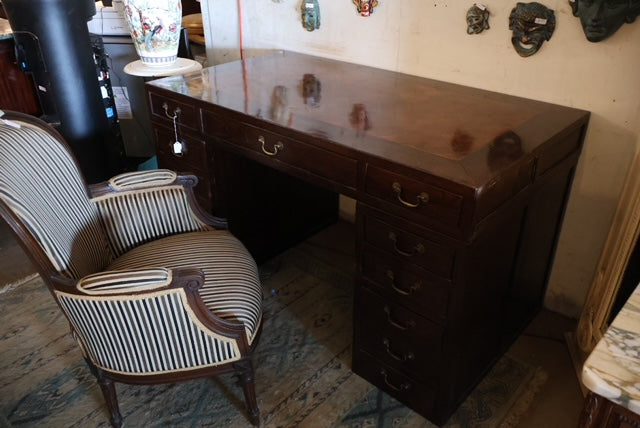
269,147
417,246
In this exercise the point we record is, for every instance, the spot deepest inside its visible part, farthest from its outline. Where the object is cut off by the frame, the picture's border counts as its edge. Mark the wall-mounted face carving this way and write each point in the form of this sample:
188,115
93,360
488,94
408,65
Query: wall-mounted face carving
477,19
365,7
531,24
602,18
310,14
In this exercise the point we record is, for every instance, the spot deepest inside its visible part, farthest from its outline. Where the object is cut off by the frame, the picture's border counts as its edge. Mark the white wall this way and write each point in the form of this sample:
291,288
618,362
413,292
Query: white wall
428,38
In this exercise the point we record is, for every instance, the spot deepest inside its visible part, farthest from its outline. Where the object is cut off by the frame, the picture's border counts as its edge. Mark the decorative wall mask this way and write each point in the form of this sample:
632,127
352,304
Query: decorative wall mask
602,18
365,7
531,24
311,88
477,19
310,14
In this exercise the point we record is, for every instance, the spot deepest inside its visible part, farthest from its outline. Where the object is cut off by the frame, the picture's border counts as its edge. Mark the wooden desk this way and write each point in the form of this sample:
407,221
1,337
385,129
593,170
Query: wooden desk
460,194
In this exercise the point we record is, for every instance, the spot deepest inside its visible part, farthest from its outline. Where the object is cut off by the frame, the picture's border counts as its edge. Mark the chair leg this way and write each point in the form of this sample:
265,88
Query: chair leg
244,370
109,392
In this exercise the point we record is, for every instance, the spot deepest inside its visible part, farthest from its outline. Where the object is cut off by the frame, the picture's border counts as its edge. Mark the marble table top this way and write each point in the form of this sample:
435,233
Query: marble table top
5,29
612,370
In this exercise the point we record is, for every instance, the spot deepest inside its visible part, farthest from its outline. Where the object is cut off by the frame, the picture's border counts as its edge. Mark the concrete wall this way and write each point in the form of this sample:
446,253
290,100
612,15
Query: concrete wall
428,38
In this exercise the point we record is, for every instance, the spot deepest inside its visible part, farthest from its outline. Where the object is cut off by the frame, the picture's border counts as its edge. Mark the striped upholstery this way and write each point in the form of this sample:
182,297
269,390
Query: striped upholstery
40,182
231,287
134,217
135,280
142,179
150,334
128,242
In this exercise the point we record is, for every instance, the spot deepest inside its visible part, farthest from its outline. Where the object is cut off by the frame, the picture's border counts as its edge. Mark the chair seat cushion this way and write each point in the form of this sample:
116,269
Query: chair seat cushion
231,287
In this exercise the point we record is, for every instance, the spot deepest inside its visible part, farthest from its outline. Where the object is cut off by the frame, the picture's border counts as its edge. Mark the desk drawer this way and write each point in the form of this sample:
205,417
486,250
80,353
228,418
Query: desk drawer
194,151
414,196
416,395
222,127
397,336
426,250
273,147
164,108
415,288
194,160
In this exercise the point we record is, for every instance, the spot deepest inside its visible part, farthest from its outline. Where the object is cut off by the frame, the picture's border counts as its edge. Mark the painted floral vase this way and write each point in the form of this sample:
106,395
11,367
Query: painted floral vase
155,29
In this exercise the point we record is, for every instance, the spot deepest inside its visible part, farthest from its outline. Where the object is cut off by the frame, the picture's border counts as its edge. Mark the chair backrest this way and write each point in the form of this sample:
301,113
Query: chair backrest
41,184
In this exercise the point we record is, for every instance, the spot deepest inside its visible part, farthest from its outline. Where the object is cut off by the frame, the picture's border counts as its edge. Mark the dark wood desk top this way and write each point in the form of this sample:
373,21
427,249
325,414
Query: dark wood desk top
463,134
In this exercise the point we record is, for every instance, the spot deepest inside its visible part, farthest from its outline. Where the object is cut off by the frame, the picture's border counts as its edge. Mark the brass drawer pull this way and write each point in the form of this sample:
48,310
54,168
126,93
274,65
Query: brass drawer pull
396,324
403,386
395,356
176,112
417,249
276,147
415,287
422,198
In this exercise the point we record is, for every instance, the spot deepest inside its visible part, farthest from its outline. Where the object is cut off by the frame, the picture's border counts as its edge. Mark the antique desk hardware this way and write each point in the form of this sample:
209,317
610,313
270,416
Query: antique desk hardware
460,196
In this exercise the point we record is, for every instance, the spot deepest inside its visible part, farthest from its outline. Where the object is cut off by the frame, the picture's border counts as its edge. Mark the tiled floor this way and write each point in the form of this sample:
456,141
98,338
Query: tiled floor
556,405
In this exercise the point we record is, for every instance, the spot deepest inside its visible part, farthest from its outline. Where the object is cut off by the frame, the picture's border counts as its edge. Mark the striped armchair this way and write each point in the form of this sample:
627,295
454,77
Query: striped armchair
155,290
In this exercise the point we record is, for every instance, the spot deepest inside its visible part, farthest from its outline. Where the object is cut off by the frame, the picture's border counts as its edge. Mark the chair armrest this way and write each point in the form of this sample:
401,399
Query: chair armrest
140,282
143,180
129,281
133,281
147,281
162,307
139,207
155,179
125,282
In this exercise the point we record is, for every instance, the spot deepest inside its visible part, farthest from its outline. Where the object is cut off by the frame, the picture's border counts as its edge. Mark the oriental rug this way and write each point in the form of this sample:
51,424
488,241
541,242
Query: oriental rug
303,376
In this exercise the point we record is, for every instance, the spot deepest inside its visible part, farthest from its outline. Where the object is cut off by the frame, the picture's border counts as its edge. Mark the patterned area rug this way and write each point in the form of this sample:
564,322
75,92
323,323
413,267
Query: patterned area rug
302,367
